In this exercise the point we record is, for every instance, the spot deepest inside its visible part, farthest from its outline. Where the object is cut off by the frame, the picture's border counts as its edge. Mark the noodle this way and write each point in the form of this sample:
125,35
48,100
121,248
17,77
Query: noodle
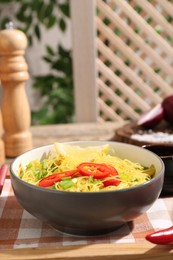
67,158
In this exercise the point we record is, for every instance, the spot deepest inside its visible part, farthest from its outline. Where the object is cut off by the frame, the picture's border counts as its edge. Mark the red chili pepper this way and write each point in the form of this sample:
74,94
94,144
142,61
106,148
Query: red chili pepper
97,170
3,174
161,237
56,177
111,182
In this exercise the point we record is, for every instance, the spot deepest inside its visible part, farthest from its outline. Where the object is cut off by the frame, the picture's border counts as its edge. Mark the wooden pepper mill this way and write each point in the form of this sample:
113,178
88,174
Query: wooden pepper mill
15,107
2,152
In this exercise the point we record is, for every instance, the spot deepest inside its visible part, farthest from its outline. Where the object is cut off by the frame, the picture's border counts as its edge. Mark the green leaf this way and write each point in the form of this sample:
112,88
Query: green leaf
4,22
20,16
62,24
41,14
138,9
29,37
50,51
48,60
169,18
149,20
6,1
63,52
106,21
37,31
64,9
44,14
117,31
48,9
23,8
37,5
158,29
51,21
169,39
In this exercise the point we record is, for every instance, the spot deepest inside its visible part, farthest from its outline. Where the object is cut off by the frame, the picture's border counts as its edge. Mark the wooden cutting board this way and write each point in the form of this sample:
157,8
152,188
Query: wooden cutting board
131,251
124,134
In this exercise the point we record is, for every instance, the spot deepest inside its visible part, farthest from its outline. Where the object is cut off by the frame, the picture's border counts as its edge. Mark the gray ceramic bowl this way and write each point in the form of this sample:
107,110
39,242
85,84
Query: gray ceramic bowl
89,213
165,152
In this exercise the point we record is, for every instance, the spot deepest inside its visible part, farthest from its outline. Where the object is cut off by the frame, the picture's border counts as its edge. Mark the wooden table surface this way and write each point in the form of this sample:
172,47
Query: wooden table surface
48,134
70,132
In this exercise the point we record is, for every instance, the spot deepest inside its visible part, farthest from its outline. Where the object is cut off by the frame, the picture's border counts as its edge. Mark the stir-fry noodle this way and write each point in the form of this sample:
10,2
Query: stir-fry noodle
73,168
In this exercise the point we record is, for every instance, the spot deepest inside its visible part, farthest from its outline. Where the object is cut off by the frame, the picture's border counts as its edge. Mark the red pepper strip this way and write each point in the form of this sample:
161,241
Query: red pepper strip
97,170
111,182
161,237
3,174
56,177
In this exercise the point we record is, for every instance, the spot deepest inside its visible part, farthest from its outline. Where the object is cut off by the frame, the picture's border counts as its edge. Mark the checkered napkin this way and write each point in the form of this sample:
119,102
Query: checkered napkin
19,229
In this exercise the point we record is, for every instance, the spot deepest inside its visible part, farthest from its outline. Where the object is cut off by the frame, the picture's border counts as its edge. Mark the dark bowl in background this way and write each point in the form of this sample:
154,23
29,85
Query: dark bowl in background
89,213
165,152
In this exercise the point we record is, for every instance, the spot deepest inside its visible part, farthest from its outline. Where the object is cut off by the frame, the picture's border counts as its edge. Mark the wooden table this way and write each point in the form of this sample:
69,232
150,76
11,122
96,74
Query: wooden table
70,132
43,135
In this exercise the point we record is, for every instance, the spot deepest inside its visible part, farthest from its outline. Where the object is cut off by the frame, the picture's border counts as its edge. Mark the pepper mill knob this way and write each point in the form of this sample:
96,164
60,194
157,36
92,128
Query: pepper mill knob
15,107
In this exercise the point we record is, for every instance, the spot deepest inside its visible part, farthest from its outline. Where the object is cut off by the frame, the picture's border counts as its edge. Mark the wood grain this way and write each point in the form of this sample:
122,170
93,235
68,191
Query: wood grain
139,251
15,106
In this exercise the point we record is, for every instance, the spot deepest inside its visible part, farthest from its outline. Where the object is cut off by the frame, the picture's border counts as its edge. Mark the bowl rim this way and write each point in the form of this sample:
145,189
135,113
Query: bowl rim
162,170
160,146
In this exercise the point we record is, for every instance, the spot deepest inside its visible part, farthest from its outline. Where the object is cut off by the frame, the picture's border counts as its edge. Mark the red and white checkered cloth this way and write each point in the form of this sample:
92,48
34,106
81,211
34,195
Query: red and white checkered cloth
19,229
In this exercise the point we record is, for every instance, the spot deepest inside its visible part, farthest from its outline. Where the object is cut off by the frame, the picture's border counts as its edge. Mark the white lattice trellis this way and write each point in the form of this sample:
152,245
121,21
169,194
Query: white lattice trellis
125,56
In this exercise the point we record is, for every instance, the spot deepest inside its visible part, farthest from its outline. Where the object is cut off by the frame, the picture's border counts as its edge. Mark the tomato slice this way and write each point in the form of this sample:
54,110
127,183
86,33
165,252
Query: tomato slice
97,170
55,177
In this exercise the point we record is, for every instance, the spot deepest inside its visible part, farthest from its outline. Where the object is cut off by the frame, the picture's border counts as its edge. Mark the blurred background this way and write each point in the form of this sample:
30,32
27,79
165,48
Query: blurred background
48,55
133,61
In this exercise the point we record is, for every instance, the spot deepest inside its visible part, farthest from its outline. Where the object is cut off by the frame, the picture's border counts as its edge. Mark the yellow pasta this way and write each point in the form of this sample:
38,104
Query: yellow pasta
66,157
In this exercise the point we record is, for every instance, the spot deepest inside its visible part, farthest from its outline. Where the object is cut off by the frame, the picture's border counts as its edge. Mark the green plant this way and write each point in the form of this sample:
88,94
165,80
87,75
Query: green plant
58,105
56,88
30,15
